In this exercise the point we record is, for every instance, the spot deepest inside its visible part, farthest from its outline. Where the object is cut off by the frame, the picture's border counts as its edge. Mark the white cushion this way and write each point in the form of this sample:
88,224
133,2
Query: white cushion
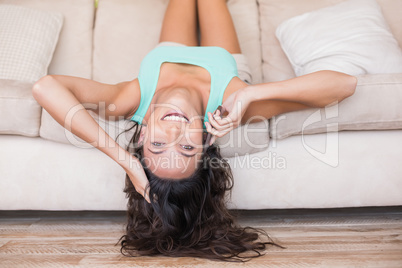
42,175
246,139
19,111
351,37
299,172
51,130
73,53
276,66
28,38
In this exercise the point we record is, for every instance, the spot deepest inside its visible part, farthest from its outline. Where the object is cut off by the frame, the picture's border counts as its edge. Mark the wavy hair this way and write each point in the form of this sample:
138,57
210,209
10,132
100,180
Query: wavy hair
188,217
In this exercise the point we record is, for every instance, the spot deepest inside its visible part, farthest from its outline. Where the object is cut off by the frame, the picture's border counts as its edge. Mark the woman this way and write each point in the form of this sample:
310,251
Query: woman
178,88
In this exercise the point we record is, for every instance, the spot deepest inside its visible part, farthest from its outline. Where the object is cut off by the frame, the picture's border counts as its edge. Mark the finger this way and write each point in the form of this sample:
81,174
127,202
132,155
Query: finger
146,195
212,140
208,127
215,132
215,124
219,134
217,115
214,137
225,122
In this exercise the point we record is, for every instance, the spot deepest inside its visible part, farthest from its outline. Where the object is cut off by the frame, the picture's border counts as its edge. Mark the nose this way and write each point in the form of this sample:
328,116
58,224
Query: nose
175,130
175,126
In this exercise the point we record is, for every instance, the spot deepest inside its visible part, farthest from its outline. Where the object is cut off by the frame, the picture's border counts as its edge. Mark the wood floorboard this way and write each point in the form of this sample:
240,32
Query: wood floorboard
360,237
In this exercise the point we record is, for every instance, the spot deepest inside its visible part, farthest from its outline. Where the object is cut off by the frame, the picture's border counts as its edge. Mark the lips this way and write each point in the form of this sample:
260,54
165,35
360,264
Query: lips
176,113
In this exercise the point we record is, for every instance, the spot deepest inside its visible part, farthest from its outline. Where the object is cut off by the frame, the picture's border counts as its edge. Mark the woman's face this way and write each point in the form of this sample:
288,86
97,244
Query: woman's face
173,136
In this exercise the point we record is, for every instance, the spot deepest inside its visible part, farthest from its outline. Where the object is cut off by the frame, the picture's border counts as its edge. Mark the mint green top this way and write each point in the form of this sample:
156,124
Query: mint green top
217,61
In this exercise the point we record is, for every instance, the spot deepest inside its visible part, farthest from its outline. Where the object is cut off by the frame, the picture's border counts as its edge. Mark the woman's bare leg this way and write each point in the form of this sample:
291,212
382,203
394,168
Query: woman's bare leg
216,25
180,23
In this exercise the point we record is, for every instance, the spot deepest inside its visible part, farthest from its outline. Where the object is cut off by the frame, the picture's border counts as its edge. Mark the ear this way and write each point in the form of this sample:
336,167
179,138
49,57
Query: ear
142,134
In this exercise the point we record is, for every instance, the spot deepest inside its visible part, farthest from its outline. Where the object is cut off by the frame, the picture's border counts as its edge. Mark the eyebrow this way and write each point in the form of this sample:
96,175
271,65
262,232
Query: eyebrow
186,155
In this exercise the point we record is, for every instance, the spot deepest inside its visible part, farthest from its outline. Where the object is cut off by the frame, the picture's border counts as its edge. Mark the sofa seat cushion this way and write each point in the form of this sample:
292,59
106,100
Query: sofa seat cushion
276,66
300,172
375,105
28,38
51,130
37,174
19,112
247,139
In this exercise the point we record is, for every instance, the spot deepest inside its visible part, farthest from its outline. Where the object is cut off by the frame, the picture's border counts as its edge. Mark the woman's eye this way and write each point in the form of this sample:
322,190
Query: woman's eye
188,147
157,143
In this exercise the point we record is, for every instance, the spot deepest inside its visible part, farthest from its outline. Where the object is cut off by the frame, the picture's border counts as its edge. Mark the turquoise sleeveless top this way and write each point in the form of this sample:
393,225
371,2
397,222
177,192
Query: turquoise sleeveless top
217,61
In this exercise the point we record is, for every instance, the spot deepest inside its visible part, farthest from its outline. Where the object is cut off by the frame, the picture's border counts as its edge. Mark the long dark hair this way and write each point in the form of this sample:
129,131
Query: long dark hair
188,217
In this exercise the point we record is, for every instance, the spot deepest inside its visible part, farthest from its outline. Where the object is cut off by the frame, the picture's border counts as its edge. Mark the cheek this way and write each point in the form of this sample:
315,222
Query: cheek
195,138
195,133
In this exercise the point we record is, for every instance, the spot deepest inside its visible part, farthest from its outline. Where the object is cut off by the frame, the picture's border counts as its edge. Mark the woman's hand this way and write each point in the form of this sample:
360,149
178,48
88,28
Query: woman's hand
136,173
236,105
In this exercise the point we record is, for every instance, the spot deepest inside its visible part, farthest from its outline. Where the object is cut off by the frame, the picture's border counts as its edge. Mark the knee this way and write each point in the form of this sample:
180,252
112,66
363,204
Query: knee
42,85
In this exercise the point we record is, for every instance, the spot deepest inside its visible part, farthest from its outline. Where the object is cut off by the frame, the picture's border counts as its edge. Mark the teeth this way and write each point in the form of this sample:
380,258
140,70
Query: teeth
175,118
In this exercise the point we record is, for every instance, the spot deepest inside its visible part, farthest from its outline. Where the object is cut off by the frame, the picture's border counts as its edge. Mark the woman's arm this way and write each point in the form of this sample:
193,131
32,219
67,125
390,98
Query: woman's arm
63,98
317,89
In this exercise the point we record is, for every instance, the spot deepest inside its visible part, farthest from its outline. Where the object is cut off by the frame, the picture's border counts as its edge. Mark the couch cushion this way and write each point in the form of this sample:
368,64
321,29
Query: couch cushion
42,175
374,106
28,38
276,66
246,139
354,38
345,169
19,111
126,30
73,54
55,132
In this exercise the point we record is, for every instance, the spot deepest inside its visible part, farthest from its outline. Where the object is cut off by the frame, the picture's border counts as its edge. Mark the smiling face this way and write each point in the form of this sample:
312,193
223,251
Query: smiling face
173,136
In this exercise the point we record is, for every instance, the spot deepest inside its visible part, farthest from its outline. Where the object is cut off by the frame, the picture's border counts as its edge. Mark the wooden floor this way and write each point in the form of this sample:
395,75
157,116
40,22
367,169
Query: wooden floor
363,237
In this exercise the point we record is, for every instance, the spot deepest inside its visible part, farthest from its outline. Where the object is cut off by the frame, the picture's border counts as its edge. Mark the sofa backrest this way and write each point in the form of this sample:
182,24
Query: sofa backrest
111,47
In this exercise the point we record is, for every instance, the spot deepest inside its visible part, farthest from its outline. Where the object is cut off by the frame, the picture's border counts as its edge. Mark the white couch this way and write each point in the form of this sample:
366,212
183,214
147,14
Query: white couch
358,166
